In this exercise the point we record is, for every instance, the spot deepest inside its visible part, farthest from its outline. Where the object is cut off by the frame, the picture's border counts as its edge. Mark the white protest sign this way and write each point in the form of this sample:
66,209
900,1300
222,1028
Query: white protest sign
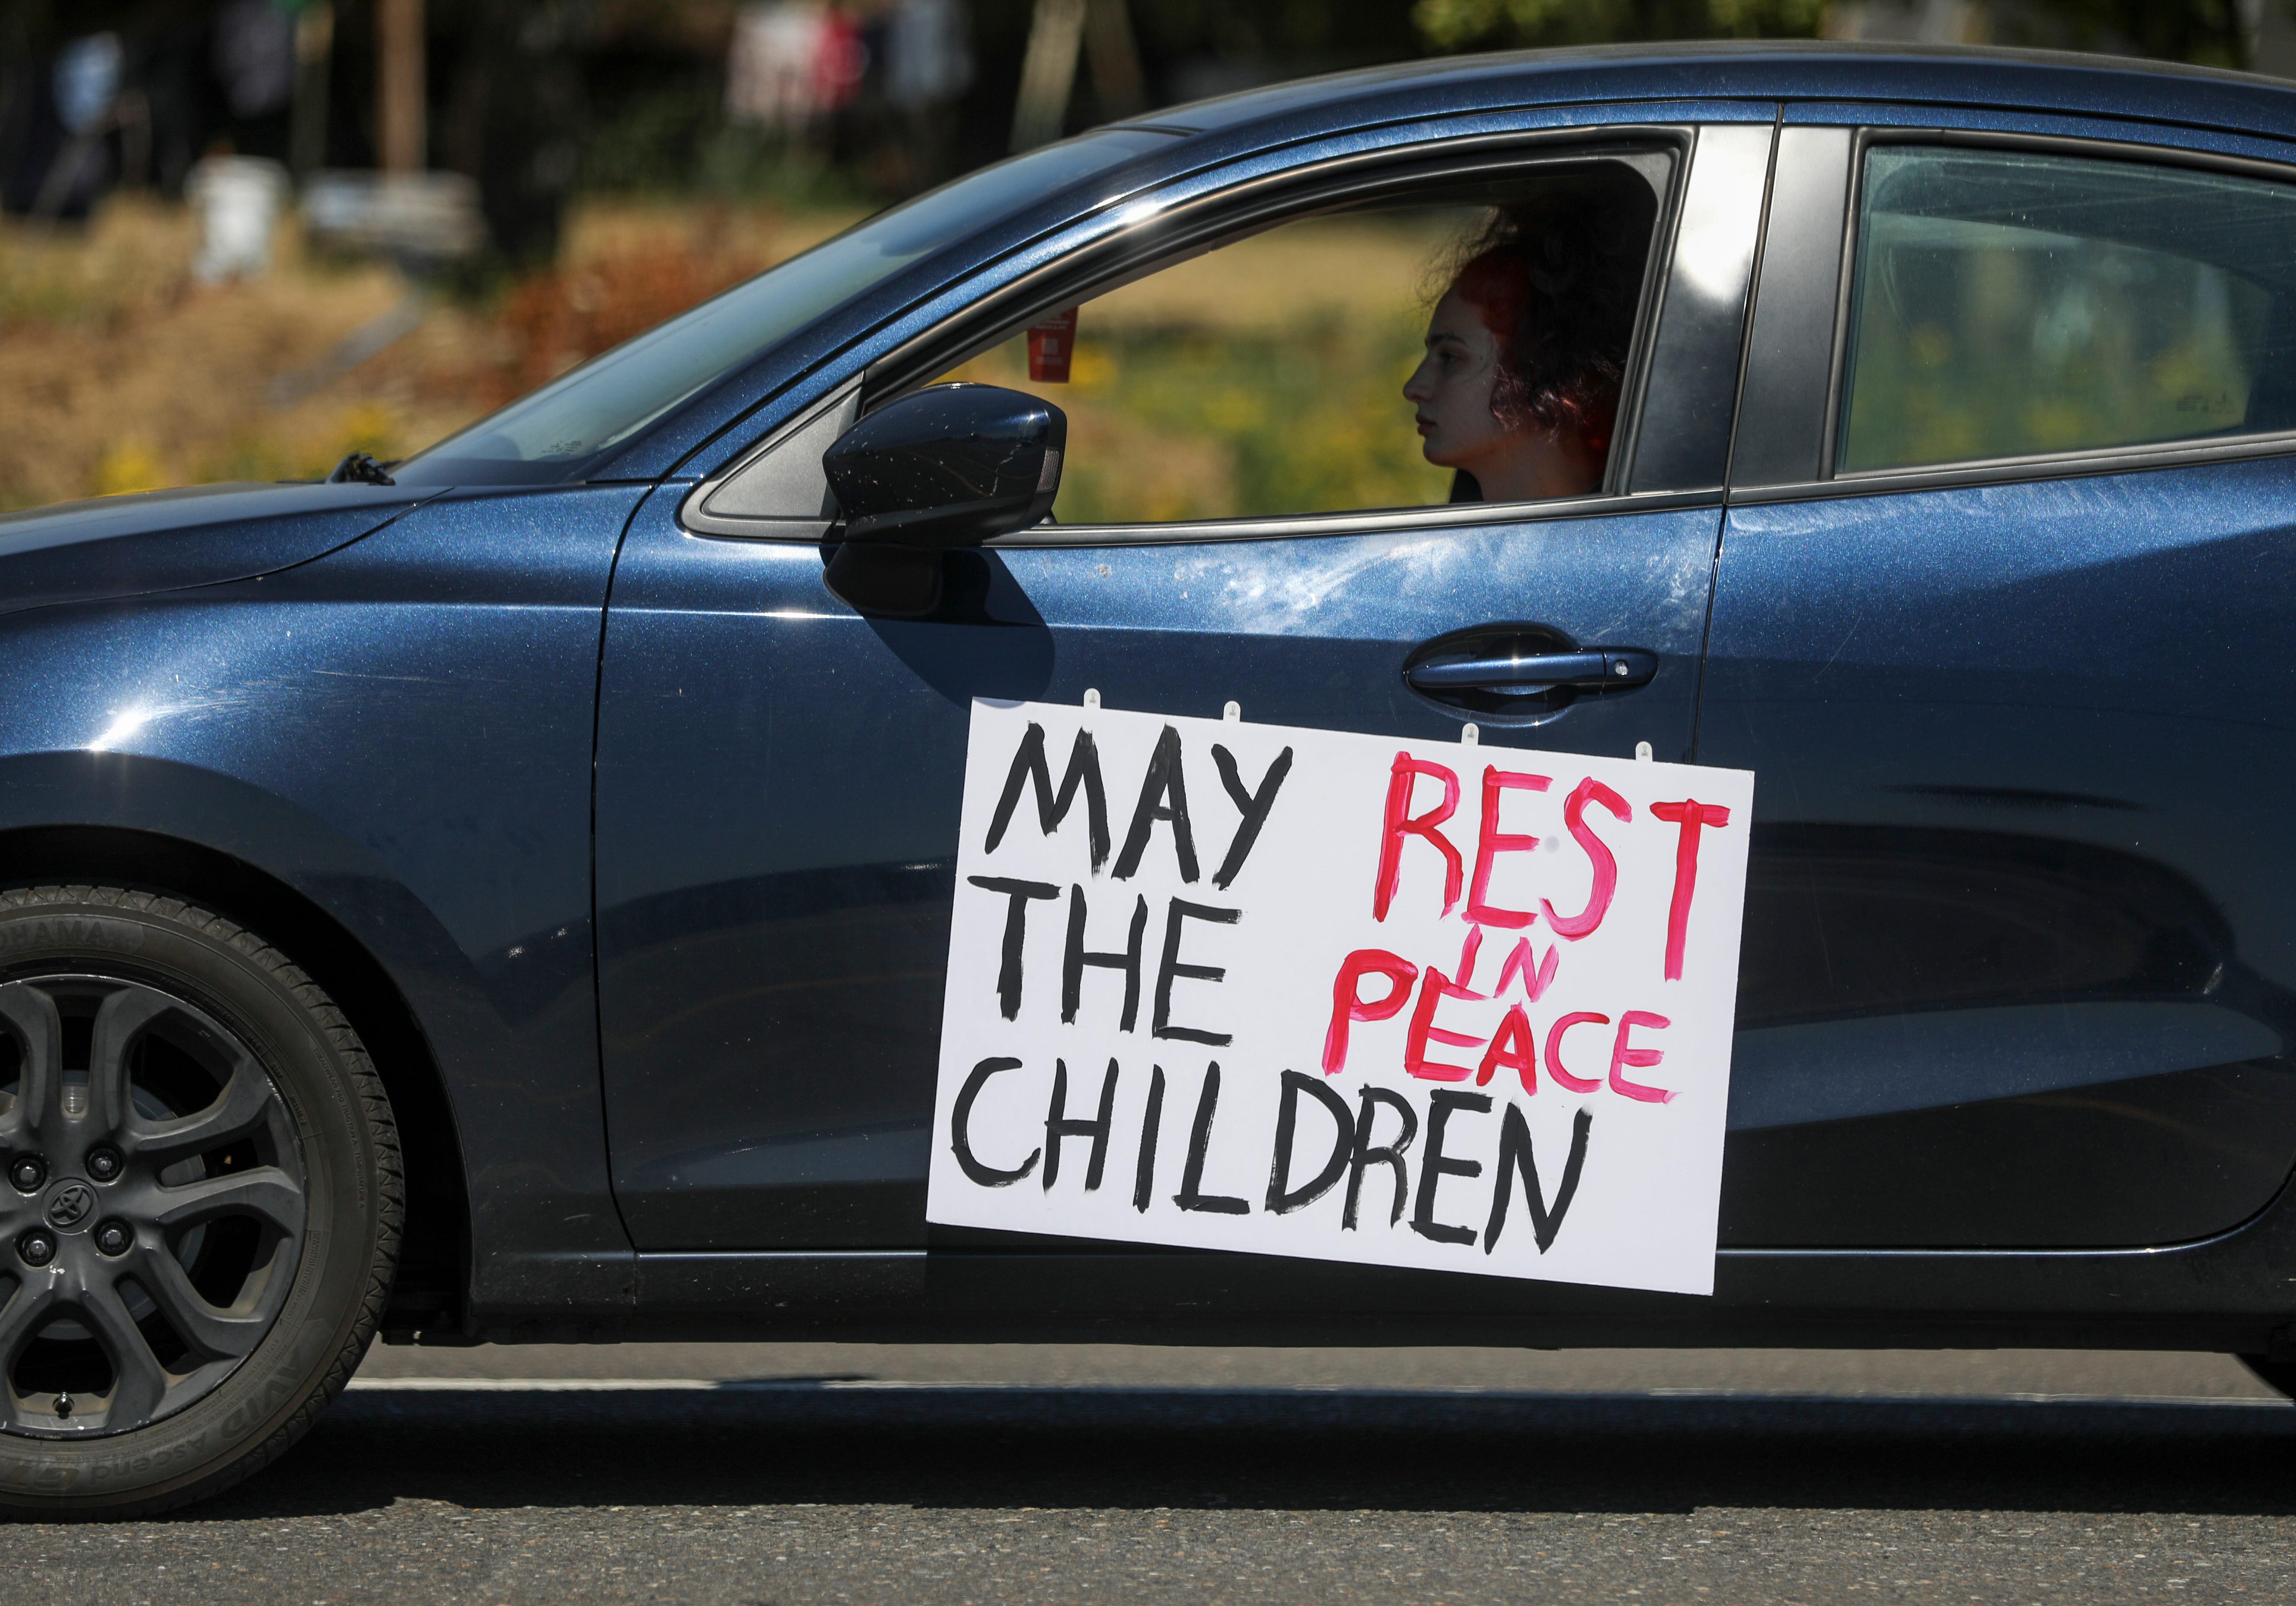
1302,992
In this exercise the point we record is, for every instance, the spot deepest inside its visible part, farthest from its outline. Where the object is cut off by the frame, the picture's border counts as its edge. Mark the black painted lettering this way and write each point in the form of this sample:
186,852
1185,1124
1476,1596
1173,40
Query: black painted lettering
1163,796
1084,769
1016,933
1074,960
1144,1170
1514,1155
1252,805
1059,1125
960,1129
1192,1195
1434,1165
1282,1198
1170,968
1366,1153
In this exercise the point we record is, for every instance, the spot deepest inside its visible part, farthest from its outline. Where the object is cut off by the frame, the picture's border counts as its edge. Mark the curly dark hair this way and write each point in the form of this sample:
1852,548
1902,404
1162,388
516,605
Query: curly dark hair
1557,277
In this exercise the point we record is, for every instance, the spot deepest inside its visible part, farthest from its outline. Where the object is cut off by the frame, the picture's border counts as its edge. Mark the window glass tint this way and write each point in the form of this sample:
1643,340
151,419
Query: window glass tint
2007,305
553,433
1291,372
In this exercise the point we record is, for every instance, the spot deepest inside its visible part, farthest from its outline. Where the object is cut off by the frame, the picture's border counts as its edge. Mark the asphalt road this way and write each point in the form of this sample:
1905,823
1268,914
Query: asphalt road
802,1473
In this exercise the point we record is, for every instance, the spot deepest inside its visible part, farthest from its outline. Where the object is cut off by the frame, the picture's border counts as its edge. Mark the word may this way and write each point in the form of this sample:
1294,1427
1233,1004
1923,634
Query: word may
1163,798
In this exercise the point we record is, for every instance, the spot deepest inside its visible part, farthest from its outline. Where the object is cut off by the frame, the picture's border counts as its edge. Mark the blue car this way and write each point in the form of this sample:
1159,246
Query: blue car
505,895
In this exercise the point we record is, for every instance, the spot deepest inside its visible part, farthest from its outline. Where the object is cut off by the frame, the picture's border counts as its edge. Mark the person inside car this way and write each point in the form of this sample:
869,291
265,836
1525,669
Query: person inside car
1526,350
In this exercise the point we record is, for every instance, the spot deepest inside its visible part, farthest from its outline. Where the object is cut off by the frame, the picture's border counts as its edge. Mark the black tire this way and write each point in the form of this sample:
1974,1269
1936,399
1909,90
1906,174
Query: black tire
2280,1374
256,1231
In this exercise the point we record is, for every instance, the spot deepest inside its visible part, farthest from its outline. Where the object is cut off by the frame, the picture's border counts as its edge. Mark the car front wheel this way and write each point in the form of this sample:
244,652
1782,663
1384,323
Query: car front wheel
200,1205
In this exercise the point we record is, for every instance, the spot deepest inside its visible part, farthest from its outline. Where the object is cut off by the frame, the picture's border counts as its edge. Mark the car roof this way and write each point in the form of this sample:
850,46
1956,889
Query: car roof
2035,80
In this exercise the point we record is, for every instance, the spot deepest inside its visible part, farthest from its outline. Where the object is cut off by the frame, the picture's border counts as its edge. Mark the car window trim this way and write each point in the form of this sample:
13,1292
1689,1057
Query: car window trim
1439,130
1239,210
1996,470
1785,398
1358,521
695,519
1697,350
1235,212
2006,470
835,412
1206,221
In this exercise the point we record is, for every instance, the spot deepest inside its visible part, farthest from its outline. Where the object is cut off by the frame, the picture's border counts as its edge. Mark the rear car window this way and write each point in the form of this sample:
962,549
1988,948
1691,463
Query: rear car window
2012,303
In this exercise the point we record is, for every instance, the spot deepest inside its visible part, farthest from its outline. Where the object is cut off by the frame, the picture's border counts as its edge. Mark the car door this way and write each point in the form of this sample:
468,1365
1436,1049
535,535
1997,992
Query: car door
779,775
1999,624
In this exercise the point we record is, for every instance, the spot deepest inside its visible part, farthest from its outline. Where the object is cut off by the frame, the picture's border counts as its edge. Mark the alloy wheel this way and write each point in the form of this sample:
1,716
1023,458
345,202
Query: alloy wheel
151,1205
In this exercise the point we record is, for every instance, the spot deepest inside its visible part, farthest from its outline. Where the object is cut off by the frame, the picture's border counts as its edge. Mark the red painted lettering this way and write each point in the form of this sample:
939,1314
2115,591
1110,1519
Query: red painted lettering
1555,1049
1511,1046
1402,823
1691,816
1467,952
1346,1008
1490,841
1604,885
1535,983
1639,1058
1435,986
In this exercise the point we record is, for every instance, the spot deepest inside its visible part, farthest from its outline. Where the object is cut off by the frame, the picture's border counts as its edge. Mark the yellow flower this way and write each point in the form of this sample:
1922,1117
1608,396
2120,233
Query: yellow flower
126,466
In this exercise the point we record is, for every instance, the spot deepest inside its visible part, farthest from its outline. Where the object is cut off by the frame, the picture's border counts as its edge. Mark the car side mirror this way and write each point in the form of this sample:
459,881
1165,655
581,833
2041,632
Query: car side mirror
947,467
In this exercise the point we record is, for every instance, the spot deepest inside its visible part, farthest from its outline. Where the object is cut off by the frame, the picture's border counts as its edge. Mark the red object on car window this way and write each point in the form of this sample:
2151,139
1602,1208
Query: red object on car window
1050,344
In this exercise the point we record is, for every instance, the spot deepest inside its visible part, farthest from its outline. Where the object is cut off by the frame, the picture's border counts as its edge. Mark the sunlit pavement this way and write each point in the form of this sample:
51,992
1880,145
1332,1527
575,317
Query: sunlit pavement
787,1474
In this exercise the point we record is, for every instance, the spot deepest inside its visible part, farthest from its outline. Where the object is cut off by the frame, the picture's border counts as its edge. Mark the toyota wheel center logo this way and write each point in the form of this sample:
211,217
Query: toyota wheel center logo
69,1203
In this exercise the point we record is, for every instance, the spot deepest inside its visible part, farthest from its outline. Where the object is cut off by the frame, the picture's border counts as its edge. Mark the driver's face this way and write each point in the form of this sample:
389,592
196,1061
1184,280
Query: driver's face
1452,388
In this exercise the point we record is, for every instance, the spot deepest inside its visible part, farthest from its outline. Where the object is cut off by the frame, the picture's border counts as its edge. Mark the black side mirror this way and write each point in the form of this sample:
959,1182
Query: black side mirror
947,467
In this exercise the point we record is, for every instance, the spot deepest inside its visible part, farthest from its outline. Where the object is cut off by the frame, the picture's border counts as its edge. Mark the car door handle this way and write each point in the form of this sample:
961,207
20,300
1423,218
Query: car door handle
1593,669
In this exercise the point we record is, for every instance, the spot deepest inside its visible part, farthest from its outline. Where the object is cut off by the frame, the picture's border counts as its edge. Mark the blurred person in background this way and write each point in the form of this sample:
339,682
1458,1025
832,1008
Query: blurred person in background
63,163
517,114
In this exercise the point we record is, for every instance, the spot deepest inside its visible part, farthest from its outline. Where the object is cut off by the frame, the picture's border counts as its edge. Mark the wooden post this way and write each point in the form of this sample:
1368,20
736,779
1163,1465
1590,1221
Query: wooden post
1048,72
1115,62
315,44
402,98
1103,29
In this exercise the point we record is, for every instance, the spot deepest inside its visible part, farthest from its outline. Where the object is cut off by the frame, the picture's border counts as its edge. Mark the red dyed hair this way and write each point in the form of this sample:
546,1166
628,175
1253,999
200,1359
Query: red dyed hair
1557,283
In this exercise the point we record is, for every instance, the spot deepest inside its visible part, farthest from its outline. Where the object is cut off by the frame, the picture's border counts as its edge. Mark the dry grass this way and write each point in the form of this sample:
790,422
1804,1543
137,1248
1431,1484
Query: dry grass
1265,377
119,373
1260,378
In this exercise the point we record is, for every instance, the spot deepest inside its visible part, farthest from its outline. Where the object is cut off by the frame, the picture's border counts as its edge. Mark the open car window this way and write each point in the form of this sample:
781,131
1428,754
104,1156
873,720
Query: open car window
1268,376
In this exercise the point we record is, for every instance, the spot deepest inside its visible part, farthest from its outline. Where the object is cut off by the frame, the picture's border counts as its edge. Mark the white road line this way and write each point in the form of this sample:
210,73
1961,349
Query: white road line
610,1385
521,1385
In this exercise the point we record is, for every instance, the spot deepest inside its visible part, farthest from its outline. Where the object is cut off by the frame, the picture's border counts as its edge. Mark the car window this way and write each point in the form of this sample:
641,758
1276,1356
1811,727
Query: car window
554,433
2011,304
1294,372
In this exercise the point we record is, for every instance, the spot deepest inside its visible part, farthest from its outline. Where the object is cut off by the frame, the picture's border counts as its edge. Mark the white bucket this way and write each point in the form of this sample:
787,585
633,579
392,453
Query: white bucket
238,200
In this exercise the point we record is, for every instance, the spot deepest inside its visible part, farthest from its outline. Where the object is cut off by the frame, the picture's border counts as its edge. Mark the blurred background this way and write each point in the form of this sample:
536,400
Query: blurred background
240,238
